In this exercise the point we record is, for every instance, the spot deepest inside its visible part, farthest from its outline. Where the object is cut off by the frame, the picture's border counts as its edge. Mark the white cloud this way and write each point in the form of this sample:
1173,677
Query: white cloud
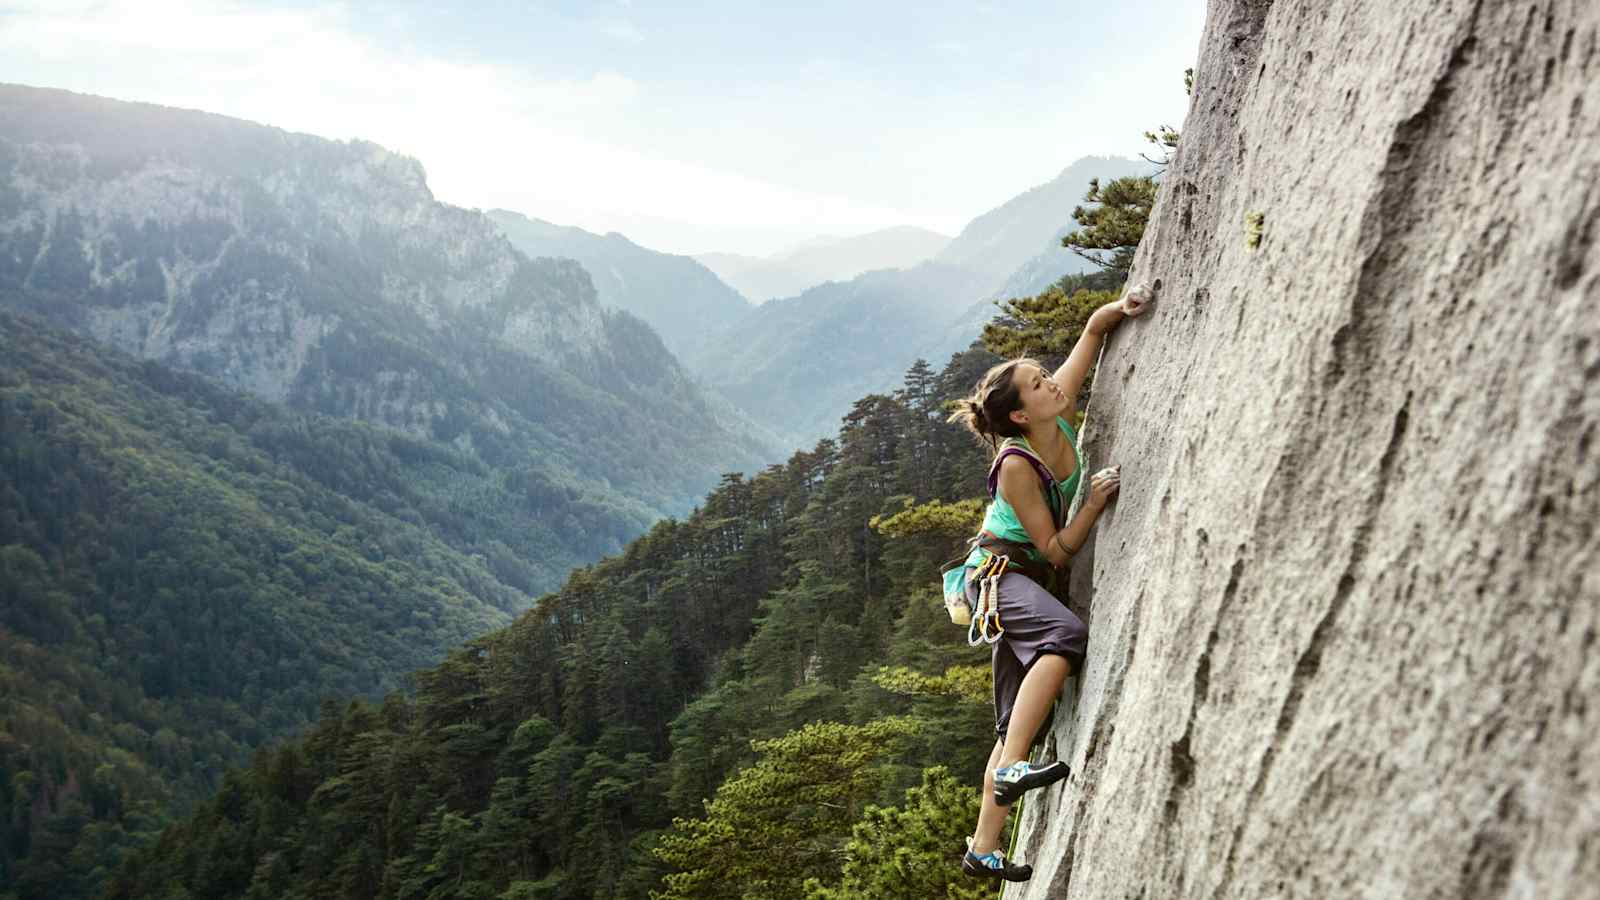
172,26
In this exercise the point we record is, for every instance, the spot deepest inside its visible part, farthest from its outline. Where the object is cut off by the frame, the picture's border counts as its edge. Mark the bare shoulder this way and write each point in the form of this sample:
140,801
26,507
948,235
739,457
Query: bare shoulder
1014,465
1016,472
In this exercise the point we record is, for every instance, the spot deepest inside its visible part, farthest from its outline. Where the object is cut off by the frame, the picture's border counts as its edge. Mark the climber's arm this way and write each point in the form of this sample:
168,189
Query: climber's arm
1019,484
1102,322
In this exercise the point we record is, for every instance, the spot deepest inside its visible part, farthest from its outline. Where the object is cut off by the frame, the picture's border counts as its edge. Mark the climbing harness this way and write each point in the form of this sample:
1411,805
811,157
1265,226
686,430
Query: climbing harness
1001,556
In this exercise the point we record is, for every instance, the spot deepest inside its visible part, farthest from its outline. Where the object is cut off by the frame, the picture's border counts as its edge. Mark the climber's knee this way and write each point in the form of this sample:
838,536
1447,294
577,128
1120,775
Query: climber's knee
1051,663
1069,659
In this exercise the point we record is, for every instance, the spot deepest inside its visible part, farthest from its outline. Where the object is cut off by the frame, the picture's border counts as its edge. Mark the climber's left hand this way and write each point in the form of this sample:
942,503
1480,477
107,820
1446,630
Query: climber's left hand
1137,301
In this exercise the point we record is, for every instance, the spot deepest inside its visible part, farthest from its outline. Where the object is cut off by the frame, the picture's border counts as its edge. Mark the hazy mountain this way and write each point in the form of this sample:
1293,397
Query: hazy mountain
824,259
796,364
680,298
1018,244
324,275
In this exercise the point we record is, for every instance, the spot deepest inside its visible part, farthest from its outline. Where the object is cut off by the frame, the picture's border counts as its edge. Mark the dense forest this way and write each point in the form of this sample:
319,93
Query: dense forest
185,571
550,759
188,570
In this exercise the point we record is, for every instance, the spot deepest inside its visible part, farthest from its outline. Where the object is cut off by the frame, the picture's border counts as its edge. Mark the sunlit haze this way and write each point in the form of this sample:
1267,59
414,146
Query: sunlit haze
729,127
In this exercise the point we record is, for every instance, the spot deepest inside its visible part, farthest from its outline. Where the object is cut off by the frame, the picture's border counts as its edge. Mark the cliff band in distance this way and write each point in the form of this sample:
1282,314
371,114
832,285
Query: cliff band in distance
1343,615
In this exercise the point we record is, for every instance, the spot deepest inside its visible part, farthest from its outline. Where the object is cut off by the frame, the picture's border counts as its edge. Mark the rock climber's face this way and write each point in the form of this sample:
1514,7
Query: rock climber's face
1040,399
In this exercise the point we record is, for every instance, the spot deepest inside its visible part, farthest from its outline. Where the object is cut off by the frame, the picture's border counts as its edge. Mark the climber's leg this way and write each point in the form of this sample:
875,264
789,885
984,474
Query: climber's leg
1040,688
1043,643
991,818
984,857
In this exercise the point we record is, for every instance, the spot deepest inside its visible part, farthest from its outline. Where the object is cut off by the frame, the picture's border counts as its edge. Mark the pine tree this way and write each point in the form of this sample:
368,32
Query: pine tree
780,821
911,851
1116,224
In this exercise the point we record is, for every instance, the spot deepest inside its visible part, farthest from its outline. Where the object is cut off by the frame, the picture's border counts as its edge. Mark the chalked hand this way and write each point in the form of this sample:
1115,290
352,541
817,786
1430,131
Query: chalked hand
1103,486
1139,297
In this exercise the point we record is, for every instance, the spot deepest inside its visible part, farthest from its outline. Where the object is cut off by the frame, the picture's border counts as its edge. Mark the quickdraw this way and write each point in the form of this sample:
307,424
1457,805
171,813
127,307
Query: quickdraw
988,609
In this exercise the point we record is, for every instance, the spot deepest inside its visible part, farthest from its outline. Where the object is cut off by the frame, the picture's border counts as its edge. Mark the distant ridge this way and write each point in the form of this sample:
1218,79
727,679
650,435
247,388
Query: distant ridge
676,295
324,275
1025,231
824,259
796,364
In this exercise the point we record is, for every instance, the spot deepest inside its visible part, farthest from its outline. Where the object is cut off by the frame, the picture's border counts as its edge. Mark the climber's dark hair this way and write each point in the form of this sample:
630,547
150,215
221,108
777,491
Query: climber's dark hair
987,411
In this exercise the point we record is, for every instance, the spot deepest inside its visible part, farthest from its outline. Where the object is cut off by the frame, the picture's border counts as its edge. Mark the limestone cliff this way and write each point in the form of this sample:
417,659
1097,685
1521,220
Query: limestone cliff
1344,613
325,275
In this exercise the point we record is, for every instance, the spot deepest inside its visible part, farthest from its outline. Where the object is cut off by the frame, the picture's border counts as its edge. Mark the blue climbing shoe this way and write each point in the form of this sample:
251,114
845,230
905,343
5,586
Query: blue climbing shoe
993,865
1013,780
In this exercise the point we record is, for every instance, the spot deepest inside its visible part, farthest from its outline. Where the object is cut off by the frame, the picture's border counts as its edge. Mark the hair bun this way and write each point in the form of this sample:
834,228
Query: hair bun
980,421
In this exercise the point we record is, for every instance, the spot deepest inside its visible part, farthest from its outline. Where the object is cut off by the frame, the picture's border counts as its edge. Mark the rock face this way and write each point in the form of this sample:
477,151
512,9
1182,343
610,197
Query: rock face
1343,615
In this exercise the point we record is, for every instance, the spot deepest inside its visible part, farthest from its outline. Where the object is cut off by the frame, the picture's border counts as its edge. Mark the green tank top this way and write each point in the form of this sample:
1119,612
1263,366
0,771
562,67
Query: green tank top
1000,519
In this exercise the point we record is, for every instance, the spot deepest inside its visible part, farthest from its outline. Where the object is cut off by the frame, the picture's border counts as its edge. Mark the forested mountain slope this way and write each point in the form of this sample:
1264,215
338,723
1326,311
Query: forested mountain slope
186,570
325,275
796,364
677,296
549,759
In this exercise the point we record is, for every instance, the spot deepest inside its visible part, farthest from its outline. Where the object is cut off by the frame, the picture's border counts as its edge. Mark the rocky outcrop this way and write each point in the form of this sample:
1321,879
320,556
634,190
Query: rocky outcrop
235,249
1344,613
677,296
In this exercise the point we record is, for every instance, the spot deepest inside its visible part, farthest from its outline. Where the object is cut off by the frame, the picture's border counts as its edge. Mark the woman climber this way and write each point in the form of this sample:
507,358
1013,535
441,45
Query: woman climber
1018,409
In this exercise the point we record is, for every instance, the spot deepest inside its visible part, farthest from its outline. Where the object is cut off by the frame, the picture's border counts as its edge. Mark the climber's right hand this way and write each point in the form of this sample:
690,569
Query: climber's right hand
1103,486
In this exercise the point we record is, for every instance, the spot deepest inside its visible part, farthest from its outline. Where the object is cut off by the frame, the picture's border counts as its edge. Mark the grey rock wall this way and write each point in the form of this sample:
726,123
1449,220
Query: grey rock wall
1343,615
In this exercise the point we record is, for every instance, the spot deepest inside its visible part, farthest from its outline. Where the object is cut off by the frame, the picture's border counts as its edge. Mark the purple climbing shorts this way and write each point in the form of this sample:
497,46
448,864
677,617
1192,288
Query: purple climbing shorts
1035,623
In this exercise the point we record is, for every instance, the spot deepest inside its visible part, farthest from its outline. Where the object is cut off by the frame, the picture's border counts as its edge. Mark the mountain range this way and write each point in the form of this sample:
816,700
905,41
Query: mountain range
1018,243
824,259
796,364
324,275
835,318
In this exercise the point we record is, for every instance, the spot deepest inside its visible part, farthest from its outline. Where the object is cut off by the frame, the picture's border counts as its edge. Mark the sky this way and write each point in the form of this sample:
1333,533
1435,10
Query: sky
689,127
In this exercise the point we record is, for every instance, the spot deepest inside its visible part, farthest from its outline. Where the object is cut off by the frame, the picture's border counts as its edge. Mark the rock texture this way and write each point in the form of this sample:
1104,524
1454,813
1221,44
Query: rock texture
1344,614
